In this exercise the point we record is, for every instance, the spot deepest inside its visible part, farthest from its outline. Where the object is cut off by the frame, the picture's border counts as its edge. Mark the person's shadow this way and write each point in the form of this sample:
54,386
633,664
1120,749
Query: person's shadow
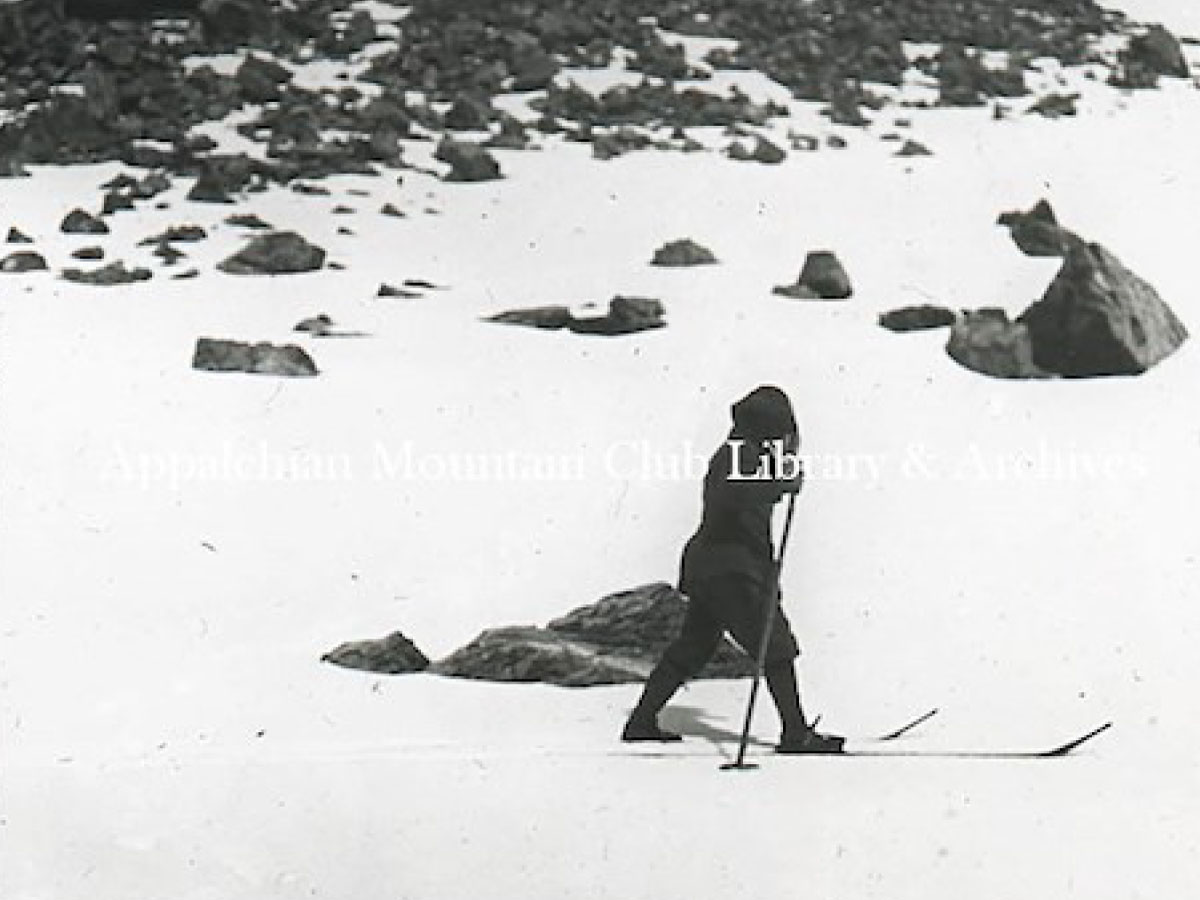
690,721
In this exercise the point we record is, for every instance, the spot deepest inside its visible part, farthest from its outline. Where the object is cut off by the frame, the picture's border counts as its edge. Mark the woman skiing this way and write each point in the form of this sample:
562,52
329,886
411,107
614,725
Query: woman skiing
729,576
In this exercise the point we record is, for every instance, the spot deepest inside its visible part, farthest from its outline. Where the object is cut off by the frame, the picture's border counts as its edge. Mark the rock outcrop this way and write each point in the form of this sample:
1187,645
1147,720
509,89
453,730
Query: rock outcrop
391,655
1099,318
216,355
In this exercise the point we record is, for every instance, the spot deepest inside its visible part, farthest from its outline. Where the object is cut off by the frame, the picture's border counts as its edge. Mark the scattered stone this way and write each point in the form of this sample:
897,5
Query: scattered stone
89,253
1037,231
388,290
421,283
187,273
176,234
913,148
804,143
1099,318
210,187
626,315
684,252
311,190
248,220
468,162
289,360
342,209
261,80
16,236
115,202
1055,105
546,317
168,254
468,114
985,341
80,222
111,275
316,325
917,318
390,209
821,278
1157,52
276,253
23,261
392,655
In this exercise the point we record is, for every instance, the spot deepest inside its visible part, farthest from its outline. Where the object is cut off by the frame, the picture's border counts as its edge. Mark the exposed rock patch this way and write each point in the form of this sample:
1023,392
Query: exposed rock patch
216,355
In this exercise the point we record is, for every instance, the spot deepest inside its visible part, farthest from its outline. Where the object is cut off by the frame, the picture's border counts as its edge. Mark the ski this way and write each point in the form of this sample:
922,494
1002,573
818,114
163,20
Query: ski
908,726
654,750
866,750
1048,753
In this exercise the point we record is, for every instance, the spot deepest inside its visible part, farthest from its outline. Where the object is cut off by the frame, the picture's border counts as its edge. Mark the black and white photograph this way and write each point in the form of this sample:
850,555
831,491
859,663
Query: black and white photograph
600,449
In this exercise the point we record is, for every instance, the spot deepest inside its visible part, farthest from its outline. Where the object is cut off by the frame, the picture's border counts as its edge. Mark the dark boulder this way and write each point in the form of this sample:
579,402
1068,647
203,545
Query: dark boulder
77,221
113,274
986,341
215,355
16,236
626,315
546,317
23,261
176,234
88,253
684,252
917,318
1099,318
1157,51
615,641
276,253
1037,231
822,278
467,161
261,80
391,655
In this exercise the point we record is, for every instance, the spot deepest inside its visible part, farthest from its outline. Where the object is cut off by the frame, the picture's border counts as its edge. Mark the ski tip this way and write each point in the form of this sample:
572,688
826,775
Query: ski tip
1073,744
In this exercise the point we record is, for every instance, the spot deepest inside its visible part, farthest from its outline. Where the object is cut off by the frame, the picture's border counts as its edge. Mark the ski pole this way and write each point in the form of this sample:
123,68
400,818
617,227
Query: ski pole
760,662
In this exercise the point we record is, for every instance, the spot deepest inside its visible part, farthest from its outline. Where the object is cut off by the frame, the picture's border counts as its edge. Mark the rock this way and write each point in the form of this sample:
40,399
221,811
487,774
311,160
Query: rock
390,209
189,273
917,318
985,341
276,253
766,152
1158,51
168,254
1037,231
684,252
469,114
89,253
113,274
546,317
1055,105
215,355
315,324
468,162
261,80
248,220
210,187
114,202
626,315
391,655
1099,318
16,236
821,278
23,261
913,148
615,641
79,222
389,290
176,234
640,623
527,654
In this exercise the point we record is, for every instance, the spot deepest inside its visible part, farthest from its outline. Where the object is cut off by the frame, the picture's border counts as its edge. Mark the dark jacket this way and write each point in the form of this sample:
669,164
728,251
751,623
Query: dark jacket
734,537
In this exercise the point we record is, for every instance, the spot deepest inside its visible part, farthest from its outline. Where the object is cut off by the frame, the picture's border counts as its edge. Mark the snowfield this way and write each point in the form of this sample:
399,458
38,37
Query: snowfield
178,548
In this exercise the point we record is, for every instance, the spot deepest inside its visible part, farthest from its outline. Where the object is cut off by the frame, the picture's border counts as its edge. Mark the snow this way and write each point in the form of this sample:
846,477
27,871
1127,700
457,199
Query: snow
178,548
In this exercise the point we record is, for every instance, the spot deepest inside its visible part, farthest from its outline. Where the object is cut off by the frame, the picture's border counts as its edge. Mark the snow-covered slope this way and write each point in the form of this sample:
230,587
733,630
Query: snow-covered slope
178,548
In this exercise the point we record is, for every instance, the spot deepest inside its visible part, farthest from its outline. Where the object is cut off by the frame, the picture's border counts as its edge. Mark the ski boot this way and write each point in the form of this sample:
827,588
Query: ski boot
647,730
810,741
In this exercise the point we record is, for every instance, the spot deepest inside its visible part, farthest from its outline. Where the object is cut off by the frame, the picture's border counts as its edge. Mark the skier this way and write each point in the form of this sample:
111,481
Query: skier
728,574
